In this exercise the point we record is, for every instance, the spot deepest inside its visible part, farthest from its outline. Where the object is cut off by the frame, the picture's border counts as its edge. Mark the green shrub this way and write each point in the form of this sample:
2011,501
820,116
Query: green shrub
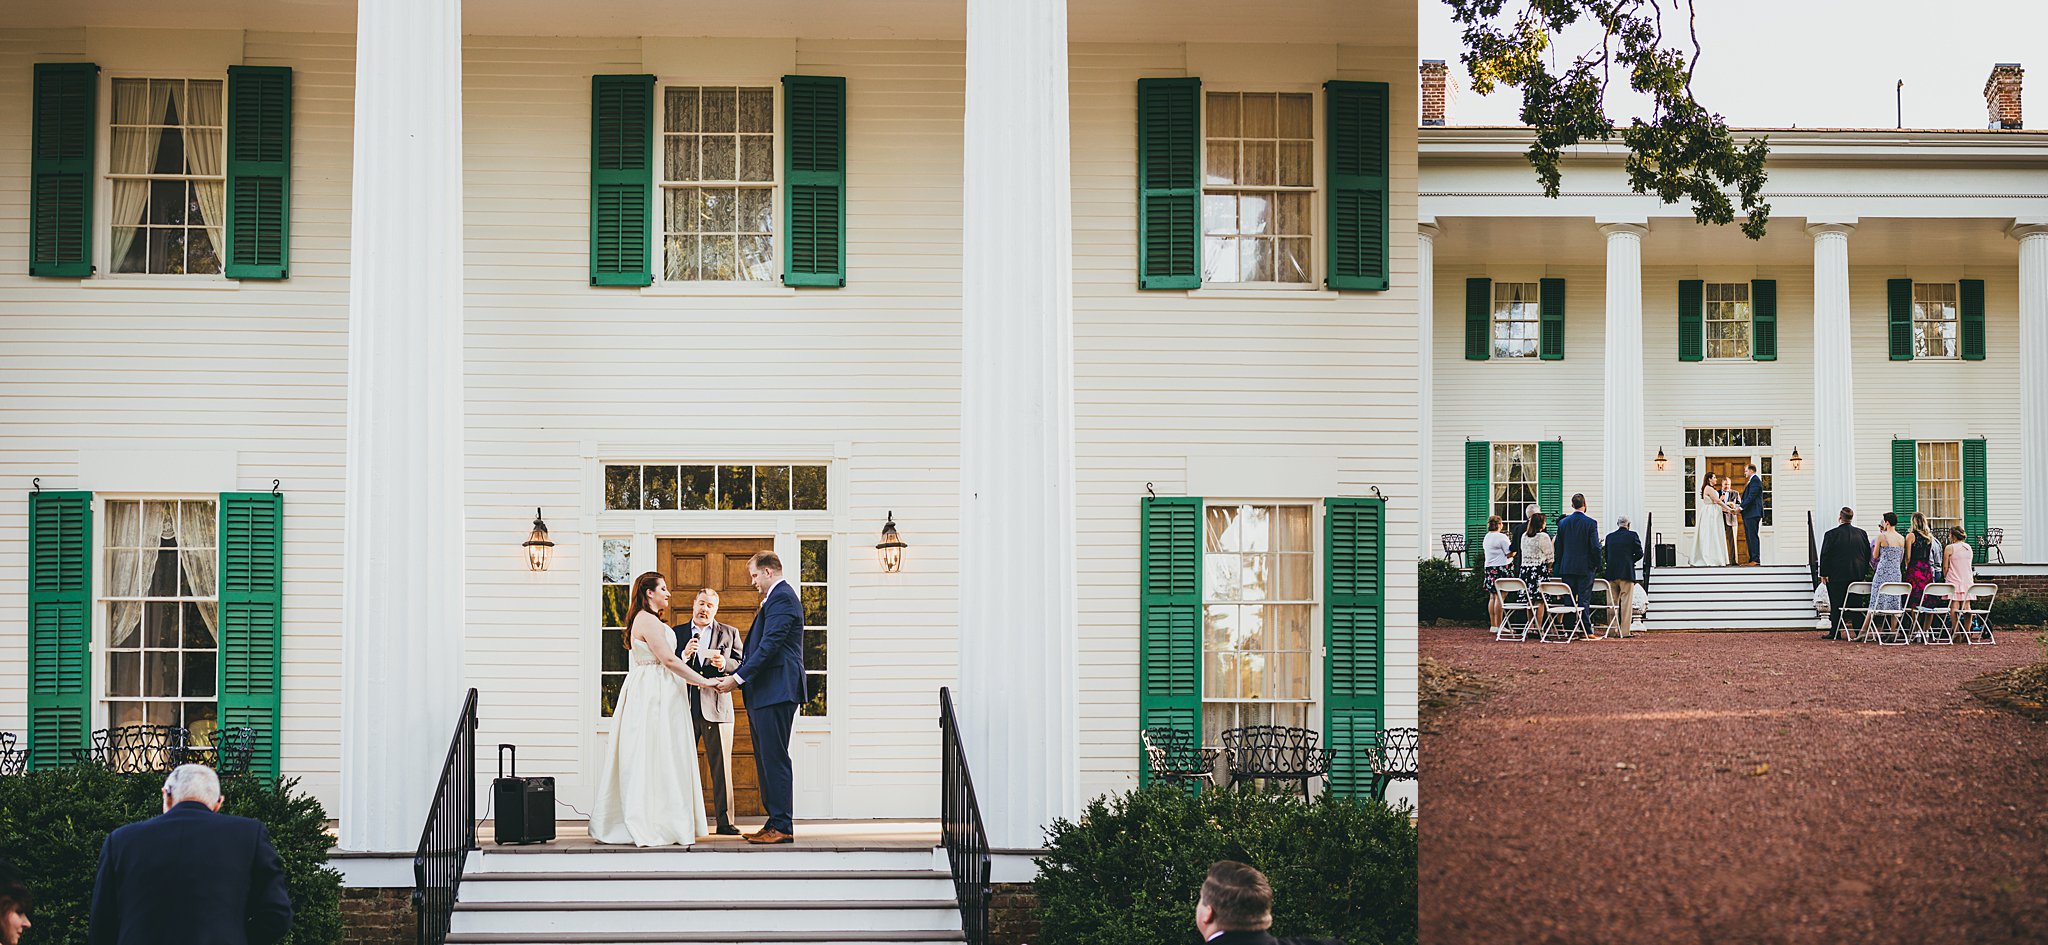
2018,609
53,822
1131,868
1442,590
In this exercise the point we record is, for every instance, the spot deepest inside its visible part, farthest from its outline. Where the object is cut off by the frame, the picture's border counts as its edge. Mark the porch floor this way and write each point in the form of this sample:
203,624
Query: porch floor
572,836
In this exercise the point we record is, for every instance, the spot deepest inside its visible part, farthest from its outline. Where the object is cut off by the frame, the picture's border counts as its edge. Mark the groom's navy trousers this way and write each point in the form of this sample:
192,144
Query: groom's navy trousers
772,681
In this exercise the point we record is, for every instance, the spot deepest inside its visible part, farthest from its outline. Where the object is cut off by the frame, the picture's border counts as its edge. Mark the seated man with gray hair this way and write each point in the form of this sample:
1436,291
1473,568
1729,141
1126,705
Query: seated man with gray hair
192,874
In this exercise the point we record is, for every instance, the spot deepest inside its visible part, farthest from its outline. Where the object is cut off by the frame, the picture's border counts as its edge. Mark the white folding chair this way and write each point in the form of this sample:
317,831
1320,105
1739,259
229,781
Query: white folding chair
1601,607
1888,621
1515,611
1560,612
1976,615
1852,629
1932,621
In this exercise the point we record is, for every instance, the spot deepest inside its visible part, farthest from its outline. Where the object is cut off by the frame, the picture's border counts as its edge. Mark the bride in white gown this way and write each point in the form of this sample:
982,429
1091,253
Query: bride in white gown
647,788
1710,535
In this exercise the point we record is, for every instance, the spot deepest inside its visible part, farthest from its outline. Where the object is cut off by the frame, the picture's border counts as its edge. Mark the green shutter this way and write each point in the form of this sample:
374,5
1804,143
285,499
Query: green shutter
621,179
1763,319
1692,324
1976,498
61,168
814,180
1478,319
59,624
1354,639
1550,482
1357,162
1905,480
252,619
1899,306
1550,319
259,172
1169,617
1970,295
1478,499
1169,183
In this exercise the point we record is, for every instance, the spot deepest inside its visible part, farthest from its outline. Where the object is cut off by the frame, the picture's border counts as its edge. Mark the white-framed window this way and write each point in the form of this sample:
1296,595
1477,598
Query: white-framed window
1258,189
1939,492
1727,321
815,591
1937,329
614,601
166,176
718,183
1517,315
1514,483
162,602
1258,618
746,487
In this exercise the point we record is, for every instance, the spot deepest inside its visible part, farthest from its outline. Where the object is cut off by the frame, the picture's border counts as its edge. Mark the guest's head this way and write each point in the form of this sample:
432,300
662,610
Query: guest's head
1848,515
1622,522
1532,511
650,593
1957,534
1891,520
1494,524
1578,501
1235,898
1535,523
1920,526
15,901
763,570
196,783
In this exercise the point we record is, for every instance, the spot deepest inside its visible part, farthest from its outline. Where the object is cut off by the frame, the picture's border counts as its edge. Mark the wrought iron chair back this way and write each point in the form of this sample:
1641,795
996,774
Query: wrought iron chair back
1993,539
1276,752
1174,755
1396,756
159,748
1454,547
12,760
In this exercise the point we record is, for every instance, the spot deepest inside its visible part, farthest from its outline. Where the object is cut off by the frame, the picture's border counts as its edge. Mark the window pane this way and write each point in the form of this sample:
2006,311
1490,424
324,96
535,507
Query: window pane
612,604
816,684
812,568
159,672
680,157
1255,524
1258,260
1219,213
721,160
814,642
681,112
756,259
1292,528
1260,160
719,110
680,261
757,211
1292,260
685,209
720,210
200,257
1257,578
694,485
1221,534
757,158
771,488
1297,164
124,673
1221,576
1258,114
612,654
622,487
809,486
1297,116
198,624
160,624
617,553
736,487
757,111
1290,214
608,693
1223,115
1221,165
199,675
814,607
1217,681
719,258
1296,577
1219,259
660,487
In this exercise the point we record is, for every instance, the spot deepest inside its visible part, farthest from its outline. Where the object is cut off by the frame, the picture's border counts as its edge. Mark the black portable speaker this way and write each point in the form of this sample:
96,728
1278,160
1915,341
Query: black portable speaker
1666,555
525,806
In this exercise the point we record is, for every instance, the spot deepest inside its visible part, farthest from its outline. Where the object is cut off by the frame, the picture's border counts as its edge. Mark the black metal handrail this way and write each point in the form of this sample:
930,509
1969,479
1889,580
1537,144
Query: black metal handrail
1812,551
1650,560
450,833
960,827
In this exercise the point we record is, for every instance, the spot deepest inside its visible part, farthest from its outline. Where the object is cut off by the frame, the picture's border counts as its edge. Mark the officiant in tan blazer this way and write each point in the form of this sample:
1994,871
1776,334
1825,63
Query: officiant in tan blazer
713,649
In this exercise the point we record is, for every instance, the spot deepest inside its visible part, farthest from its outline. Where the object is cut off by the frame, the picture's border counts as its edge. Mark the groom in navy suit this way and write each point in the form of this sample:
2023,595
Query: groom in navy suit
771,677
1753,512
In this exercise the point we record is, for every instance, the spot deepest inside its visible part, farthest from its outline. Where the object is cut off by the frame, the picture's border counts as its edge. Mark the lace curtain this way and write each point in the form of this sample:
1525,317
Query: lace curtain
186,530
136,102
201,112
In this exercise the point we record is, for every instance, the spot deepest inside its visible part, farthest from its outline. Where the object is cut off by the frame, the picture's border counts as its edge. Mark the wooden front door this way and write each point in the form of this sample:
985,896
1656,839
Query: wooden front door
690,565
1729,468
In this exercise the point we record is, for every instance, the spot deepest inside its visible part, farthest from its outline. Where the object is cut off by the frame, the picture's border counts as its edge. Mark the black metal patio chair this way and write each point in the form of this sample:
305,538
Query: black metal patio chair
1175,757
12,760
1454,548
1276,753
1396,756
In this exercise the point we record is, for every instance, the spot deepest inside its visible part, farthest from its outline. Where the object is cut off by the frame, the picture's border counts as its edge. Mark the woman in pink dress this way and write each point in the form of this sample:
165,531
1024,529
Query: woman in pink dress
1956,561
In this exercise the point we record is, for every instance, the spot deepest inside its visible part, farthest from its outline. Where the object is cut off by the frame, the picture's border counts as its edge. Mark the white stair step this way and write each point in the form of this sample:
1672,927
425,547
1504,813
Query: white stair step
706,938
729,887
1727,623
707,915
678,860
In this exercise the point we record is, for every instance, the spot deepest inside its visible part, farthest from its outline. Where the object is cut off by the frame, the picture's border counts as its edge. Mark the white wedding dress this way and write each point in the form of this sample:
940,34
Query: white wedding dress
1710,535
647,788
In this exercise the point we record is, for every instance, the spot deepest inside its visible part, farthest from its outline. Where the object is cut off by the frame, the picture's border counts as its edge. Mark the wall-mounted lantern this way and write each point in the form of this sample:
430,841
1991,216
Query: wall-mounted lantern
537,545
1660,459
1796,461
890,548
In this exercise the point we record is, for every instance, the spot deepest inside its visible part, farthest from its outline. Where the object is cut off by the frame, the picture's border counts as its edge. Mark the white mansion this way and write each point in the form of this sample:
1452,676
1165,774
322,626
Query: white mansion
308,310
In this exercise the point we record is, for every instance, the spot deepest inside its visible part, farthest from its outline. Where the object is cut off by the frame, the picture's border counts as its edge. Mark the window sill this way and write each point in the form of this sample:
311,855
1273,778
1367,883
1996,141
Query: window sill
178,283
718,290
1207,292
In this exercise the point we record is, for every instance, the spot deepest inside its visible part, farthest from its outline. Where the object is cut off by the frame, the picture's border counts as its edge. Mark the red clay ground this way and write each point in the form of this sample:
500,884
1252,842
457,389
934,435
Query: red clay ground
1725,788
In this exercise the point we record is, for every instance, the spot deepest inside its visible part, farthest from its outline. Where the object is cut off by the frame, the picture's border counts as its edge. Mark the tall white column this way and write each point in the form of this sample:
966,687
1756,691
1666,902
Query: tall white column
2033,392
1621,467
1834,378
402,531
1425,386
1017,611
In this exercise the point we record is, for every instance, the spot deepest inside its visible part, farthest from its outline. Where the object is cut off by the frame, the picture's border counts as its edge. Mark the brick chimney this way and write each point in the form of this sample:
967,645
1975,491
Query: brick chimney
2001,95
1439,91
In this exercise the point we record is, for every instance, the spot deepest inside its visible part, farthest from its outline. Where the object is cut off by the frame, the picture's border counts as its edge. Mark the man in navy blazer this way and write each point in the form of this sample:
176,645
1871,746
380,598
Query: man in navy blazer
1753,513
1578,556
771,677
192,876
1624,549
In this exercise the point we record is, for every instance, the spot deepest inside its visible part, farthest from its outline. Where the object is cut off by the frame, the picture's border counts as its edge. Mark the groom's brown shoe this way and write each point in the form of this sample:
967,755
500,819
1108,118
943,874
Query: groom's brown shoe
770,835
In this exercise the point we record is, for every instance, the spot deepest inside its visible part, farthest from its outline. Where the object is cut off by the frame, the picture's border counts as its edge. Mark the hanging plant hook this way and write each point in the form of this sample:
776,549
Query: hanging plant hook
1376,494
38,483
274,484
1149,492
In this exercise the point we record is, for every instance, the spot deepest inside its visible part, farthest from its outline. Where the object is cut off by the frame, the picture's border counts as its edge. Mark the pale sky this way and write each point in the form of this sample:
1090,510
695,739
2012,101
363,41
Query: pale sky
1818,63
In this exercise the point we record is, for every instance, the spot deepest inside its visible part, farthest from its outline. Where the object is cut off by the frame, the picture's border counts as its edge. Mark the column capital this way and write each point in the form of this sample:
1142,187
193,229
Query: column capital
1843,227
2025,230
1428,229
1613,230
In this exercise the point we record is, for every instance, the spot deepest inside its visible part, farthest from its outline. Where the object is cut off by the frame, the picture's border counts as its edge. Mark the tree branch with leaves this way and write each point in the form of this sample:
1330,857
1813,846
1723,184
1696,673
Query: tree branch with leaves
1681,151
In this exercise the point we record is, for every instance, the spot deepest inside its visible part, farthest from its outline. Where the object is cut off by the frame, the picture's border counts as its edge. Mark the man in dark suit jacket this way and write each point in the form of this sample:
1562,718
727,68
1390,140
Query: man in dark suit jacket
191,875
772,679
1578,556
1844,560
1236,908
1624,549
712,649
1753,513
